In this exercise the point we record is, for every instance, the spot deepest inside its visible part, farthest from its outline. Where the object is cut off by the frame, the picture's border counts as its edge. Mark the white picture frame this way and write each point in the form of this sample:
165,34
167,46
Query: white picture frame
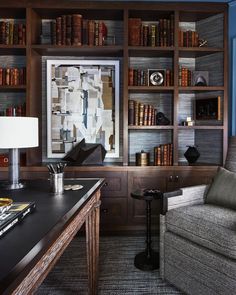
82,102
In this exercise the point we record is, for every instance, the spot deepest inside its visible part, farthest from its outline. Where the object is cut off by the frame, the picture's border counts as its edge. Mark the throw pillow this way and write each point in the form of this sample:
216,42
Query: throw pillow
223,189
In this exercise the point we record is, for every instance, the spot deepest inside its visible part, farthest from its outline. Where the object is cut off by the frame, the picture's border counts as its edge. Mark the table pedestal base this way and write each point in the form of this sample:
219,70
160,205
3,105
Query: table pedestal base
147,262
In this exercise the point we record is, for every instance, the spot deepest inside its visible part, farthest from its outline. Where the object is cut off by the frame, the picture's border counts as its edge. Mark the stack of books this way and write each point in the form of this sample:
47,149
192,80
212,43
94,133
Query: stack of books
12,33
140,114
14,215
157,33
74,30
163,155
188,38
185,77
12,76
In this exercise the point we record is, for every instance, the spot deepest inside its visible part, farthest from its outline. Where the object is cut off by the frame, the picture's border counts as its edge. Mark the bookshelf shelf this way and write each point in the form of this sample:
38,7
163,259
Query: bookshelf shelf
64,50
201,127
201,88
168,127
147,89
193,52
19,88
143,51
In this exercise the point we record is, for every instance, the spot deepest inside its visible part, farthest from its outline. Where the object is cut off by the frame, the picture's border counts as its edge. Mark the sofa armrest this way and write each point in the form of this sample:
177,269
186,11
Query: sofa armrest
183,197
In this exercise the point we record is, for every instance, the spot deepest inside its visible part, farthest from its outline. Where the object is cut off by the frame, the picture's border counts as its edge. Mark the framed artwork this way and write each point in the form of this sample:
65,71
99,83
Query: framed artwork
208,108
82,103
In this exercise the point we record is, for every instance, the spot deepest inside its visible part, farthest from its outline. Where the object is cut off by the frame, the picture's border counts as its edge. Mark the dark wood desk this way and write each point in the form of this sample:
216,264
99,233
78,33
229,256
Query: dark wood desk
30,250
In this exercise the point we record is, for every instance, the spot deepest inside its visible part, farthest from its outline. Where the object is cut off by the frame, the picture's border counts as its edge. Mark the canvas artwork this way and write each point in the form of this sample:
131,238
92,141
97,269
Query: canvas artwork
82,103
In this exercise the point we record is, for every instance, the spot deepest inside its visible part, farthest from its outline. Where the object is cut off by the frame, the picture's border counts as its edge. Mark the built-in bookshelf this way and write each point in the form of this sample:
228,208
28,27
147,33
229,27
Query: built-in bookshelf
151,39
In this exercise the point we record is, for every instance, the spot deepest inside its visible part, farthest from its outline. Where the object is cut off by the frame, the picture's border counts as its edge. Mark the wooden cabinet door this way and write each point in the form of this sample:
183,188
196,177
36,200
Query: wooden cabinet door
137,208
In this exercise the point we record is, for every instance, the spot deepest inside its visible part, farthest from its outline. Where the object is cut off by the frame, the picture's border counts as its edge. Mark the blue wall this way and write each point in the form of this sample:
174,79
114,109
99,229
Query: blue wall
232,68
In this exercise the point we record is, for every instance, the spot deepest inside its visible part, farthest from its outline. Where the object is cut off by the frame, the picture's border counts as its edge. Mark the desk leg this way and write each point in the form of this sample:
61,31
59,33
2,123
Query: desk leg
92,244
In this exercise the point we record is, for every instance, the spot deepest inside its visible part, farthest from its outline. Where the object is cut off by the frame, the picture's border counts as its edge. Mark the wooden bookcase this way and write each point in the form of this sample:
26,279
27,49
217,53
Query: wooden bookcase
177,102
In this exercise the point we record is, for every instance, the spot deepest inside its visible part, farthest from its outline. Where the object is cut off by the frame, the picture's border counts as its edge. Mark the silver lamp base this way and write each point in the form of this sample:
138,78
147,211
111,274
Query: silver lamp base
12,186
13,172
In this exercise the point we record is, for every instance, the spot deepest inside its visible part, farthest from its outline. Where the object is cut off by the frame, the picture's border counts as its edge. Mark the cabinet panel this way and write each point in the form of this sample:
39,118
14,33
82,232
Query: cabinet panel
113,211
115,182
185,178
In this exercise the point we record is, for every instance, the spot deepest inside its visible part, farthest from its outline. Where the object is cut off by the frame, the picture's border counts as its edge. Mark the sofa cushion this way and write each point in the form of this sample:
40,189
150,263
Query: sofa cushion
208,225
223,189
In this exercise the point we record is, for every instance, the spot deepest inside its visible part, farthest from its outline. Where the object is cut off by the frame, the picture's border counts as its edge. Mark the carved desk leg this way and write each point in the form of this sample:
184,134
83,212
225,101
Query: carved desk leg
92,244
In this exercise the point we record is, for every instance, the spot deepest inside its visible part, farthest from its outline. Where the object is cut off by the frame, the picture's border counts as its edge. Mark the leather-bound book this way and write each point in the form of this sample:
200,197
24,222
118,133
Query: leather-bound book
53,32
141,114
68,29
91,32
11,32
77,29
85,32
15,34
20,34
131,112
102,33
63,30
134,31
2,32
131,77
58,31
96,32
7,33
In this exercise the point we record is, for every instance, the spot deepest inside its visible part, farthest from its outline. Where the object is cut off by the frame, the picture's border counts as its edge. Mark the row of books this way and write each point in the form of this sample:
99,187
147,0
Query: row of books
185,77
158,33
74,30
163,155
12,33
188,38
16,111
12,76
138,77
140,114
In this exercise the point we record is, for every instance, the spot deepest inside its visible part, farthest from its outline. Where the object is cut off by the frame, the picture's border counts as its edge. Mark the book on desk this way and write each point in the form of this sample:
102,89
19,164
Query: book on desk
14,215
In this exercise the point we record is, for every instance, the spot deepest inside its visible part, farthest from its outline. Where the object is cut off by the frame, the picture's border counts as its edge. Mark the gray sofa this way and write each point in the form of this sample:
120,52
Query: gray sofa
198,237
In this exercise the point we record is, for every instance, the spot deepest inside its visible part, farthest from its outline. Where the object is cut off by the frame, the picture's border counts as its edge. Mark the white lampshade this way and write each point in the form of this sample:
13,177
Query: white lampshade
18,132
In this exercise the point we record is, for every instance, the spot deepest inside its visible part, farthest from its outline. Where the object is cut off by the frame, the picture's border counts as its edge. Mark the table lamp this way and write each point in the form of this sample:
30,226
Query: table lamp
15,133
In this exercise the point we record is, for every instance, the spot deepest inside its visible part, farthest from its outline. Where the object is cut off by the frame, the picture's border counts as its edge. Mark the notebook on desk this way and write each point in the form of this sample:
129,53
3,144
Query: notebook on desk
14,215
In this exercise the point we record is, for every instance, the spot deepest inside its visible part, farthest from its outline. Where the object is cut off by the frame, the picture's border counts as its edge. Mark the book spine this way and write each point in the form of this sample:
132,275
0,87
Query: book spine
53,32
134,31
91,31
131,77
85,32
58,31
7,33
77,29
2,32
63,30
20,34
68,29
11,32
131,113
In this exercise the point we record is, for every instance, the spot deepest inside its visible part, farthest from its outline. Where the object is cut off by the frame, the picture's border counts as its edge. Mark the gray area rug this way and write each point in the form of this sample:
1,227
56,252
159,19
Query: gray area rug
117,274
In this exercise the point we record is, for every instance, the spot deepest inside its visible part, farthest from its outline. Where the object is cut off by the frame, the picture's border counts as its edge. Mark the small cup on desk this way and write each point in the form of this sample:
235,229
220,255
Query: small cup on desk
57,183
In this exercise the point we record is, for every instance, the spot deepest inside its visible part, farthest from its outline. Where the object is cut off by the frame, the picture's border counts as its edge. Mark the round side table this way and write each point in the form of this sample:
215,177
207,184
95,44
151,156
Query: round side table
148,259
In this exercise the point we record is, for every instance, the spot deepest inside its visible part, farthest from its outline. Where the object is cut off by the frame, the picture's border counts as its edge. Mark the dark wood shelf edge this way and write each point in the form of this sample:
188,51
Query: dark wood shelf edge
201,127
166,127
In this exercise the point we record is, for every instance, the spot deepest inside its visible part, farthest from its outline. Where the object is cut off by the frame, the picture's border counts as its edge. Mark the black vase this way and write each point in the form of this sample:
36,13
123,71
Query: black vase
192,154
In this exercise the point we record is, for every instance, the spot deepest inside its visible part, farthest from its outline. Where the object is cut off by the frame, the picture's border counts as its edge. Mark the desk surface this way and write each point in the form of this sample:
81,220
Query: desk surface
21,245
